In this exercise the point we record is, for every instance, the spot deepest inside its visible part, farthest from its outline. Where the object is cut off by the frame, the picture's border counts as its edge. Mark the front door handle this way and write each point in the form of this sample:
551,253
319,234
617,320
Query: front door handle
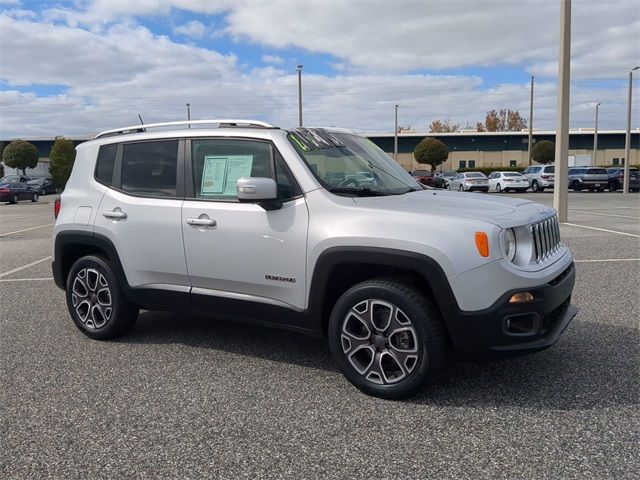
201,222
116,214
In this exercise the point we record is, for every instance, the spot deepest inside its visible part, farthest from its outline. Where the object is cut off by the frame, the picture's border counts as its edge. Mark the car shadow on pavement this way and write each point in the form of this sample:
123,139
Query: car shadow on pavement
593,366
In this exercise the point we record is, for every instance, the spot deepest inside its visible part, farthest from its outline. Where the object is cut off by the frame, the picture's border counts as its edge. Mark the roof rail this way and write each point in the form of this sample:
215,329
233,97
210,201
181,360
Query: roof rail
222,123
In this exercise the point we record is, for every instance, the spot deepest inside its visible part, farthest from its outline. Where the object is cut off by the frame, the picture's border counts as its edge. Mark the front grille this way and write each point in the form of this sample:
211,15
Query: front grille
546,238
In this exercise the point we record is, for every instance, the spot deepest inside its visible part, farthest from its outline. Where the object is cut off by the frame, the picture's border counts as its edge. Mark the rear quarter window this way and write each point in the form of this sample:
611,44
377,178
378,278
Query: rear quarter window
105,163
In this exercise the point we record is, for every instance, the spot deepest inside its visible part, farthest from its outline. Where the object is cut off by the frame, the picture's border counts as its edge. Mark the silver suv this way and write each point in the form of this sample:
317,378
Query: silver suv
243,220
540,177
588,178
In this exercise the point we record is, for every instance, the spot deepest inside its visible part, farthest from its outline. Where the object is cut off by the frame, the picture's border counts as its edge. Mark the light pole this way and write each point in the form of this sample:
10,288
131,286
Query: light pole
595,137
560,190
627,138
299,69
530,122
395,137
189,114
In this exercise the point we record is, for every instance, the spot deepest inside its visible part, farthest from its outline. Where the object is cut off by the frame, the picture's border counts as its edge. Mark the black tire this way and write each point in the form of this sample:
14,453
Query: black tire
43,192
498,188
123,314
34,197
429,338
535,186
575,186
461,188
15,199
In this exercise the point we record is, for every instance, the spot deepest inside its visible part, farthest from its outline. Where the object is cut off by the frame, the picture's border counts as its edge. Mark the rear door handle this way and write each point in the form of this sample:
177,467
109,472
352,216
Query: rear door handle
201,222
114,215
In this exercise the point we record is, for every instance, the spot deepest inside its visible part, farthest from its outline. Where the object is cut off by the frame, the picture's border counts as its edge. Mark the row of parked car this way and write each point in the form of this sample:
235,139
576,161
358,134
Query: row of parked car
536,177
14,188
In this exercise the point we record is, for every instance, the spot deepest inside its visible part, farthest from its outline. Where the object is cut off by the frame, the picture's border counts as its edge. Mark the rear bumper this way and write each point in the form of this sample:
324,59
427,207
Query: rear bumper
506,330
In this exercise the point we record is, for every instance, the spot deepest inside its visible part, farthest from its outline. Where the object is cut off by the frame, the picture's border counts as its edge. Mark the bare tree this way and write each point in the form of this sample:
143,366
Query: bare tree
443,126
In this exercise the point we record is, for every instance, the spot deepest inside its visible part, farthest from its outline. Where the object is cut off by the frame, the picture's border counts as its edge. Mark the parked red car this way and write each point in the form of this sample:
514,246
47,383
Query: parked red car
425,177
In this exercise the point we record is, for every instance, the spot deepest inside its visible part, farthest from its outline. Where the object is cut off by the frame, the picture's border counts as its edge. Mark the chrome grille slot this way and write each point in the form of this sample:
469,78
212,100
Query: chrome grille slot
546,238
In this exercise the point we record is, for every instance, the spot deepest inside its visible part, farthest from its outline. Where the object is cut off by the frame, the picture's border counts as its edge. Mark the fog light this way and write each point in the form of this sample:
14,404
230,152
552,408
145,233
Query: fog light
522,297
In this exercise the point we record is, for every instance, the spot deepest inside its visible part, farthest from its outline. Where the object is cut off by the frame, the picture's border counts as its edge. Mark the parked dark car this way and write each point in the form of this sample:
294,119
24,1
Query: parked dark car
43,185
445,178
588,178
16,191
425,177
15,178
616,177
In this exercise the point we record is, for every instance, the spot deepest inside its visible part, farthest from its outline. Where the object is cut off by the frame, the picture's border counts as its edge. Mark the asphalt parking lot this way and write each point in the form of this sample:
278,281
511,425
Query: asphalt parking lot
188,397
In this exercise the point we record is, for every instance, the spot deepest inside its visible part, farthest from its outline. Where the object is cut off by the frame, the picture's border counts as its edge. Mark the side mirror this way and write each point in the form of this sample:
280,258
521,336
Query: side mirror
263,191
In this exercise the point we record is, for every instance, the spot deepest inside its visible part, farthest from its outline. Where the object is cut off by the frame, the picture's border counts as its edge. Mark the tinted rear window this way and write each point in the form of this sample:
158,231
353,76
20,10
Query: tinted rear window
105,162
512,174
149,168
551,169
596,171
475,175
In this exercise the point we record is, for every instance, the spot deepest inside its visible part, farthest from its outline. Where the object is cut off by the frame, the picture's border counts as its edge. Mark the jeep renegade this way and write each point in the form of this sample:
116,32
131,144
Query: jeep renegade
312,229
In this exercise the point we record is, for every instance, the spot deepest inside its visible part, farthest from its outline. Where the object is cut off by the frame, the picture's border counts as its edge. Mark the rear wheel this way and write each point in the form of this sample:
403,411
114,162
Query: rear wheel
15,199
35,197
535,186
387,338
95,300
575,186
498,188
461,188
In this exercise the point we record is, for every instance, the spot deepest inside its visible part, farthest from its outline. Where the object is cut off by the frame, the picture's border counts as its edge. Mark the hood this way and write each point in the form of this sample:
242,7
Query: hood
502,211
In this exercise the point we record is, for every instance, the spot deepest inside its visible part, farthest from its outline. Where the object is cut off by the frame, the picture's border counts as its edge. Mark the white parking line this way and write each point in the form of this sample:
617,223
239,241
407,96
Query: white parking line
601,229
26,229
45,279
605,214
597,260
26,216
603,206
4,274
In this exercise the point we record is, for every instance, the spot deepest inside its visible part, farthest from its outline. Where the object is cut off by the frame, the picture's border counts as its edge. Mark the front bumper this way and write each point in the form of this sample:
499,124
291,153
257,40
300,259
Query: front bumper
505,330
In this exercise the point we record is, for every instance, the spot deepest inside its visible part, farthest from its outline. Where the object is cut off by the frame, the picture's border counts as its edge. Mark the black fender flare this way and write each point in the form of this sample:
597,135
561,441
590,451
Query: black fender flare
425,266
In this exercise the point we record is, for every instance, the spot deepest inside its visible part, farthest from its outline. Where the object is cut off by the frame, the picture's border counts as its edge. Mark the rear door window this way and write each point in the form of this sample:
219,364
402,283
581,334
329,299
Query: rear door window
150,168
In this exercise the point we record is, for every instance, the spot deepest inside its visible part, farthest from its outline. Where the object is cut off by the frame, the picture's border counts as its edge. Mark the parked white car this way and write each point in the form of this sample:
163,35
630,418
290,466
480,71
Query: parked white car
469,182
245,221
505,181
540,177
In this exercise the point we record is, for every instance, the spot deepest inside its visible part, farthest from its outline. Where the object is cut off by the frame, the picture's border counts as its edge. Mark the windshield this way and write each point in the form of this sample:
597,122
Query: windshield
348,164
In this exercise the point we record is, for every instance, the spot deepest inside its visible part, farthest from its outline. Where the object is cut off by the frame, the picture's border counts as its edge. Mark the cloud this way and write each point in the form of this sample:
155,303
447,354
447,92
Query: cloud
113,68
192,29
273,59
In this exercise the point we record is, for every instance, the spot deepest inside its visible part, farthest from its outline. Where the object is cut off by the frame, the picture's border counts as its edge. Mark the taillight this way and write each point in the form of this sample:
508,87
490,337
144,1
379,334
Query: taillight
4,190
56,208
545,176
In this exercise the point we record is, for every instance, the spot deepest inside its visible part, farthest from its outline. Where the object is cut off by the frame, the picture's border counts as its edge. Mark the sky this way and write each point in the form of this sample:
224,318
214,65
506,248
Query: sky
74,68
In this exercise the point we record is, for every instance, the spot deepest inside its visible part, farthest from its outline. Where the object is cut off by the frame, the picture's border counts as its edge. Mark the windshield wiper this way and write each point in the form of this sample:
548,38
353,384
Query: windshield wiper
359,191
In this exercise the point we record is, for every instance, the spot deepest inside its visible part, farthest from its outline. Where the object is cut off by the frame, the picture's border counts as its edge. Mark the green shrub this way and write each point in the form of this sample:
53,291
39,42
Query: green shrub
21,155
61,158
431,151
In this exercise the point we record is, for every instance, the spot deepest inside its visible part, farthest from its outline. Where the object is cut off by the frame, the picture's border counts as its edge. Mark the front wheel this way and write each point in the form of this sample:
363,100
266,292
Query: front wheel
387,338
95,300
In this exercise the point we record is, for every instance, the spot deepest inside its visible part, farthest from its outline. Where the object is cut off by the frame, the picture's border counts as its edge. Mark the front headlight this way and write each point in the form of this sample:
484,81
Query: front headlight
508,243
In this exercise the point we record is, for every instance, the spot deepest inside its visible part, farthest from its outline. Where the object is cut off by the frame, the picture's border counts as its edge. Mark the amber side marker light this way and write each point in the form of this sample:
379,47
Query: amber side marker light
521,297
482,243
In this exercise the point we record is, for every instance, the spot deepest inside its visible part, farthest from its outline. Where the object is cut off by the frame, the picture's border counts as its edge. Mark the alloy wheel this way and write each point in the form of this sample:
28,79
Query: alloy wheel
379,341
91,298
